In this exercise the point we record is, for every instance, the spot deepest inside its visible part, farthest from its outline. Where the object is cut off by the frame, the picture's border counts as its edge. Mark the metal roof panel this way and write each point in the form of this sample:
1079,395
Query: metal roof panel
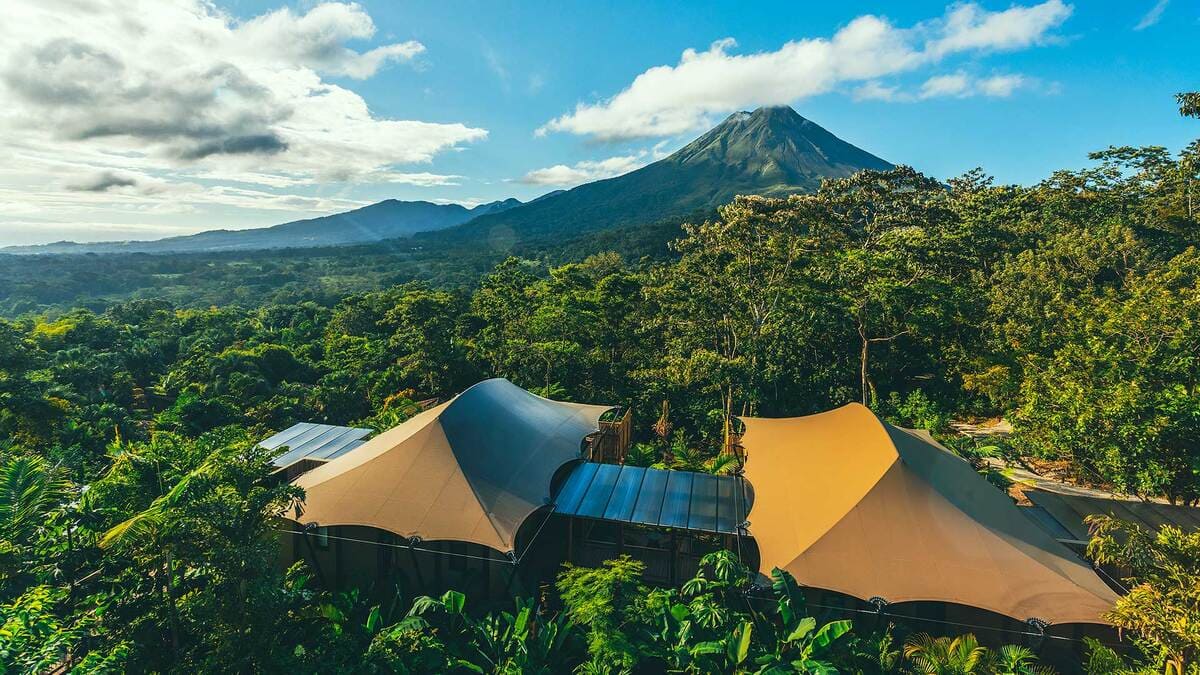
702,512
678,499
625,493
570,495
600,491
650,498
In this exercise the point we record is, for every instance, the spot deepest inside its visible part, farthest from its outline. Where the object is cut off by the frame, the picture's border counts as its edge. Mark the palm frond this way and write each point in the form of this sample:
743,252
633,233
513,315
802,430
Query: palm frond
29,489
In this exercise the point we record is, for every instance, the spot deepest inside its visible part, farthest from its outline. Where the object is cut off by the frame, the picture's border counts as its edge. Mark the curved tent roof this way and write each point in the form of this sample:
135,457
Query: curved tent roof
849,503
471,469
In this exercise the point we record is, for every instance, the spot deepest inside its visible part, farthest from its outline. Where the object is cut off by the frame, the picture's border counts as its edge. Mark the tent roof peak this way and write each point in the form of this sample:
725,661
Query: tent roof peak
470,469
848,502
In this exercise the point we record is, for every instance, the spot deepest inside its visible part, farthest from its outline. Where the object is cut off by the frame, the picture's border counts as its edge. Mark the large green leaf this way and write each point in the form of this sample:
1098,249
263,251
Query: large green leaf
374,619
814,667
454,602
708,647
521,623
832,631
806,626
743,643
680,612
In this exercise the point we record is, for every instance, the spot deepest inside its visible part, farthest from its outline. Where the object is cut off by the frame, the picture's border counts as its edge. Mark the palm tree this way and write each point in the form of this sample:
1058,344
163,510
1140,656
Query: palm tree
1017,660
962,655
145,529
29,489
641,454
683,456
30,492
880,650
723,464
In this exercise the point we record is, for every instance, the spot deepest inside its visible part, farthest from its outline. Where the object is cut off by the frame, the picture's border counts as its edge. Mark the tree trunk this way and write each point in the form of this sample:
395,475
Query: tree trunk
172,613
1189,197
863,357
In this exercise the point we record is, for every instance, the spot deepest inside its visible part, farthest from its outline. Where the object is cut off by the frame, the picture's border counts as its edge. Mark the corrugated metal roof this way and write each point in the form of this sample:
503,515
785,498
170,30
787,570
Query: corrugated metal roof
1069,510
307,440
1049,524
634,494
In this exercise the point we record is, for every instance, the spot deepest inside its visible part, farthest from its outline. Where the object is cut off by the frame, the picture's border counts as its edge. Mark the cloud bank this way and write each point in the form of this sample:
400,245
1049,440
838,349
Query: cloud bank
106,97
668,100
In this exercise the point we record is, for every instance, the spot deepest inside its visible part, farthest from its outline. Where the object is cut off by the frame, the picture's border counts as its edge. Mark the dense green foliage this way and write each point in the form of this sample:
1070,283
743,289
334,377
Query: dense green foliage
135,518
1163,602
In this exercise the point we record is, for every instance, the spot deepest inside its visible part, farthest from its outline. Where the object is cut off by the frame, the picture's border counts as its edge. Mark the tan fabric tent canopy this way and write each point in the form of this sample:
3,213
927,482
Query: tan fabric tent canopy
471,469
849,503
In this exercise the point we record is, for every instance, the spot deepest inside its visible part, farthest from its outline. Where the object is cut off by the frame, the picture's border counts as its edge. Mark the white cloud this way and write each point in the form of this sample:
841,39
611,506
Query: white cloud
874,90
422,179
668,100
315,40
961,85
492,58
469,202
1153,16
1000,86
968,27
956,84
950,85
561,175
172,92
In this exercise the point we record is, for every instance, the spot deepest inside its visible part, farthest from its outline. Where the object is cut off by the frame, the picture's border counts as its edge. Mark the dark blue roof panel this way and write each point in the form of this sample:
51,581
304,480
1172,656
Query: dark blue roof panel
632,494
570,496
678,500
649,503
624,496
600,491
703,512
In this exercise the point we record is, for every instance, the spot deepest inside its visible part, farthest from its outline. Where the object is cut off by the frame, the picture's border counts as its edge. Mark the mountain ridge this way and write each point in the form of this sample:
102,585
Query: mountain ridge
387,219
771,151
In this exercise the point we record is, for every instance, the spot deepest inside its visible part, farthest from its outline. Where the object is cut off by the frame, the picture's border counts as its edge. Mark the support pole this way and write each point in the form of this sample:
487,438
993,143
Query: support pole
412,554
312,551
512,577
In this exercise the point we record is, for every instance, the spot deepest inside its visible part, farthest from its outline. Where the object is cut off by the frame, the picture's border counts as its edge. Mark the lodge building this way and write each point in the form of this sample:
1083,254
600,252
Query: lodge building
491,491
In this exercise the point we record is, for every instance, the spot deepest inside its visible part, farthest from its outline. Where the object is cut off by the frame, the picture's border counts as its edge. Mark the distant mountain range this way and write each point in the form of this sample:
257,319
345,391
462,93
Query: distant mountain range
388,219
771,151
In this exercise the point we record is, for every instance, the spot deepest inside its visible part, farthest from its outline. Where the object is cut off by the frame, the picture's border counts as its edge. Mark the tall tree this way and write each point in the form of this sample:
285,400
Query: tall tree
734,295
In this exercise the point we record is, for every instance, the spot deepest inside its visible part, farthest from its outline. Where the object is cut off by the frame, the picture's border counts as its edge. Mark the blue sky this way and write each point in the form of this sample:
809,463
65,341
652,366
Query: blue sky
244,114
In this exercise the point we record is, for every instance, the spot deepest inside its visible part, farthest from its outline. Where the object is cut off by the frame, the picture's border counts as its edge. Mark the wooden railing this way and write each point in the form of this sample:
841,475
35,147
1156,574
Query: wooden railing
731,443
612,442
